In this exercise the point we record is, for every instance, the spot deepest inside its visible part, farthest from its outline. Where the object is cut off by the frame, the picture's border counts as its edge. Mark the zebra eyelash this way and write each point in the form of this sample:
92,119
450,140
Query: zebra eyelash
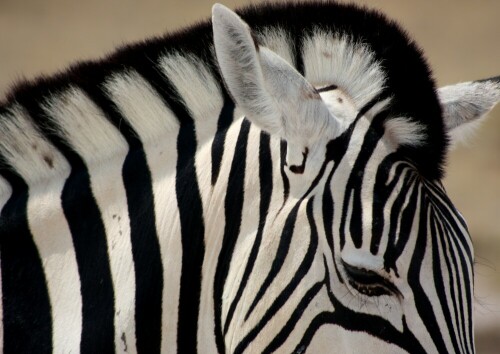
368,282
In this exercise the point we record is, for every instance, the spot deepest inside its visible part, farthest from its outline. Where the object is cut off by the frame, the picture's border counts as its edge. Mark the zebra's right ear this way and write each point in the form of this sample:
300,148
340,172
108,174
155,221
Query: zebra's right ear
269,91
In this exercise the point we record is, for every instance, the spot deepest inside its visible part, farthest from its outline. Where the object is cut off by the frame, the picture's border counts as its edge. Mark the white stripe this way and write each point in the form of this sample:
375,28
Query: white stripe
157,127
249,220
384,240
48,225
92,137
214,231
109,192
142,107
195,84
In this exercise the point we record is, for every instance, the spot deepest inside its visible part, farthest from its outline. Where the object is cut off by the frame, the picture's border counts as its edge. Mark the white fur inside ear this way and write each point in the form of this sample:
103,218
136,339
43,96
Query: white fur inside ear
403,131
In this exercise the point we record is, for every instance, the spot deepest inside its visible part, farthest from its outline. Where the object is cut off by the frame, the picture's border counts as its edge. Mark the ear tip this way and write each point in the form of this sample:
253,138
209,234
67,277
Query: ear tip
220,12
495,80
217,8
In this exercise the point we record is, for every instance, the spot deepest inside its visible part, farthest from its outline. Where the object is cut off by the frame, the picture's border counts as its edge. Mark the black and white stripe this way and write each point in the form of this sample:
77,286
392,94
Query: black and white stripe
141,211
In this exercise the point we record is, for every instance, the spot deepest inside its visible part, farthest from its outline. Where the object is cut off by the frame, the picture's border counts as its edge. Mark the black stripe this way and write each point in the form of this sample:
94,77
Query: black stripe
469,288
407,216
464,281
279,259
286,182
437,189
327,88
288,290
337,148
89,240
192,233
328,205
441,203
359,322
145,251
146,254
355,182
384,189
188,201
422,303
266,188
233,209
223,123
442,235
27,322
404,218
316,179
295,318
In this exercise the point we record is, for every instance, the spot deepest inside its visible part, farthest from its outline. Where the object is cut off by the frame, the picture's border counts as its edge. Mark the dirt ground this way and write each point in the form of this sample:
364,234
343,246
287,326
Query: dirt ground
461,40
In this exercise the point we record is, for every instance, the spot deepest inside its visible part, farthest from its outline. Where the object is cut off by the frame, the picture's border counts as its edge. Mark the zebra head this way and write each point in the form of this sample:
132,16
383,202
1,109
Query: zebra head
388,259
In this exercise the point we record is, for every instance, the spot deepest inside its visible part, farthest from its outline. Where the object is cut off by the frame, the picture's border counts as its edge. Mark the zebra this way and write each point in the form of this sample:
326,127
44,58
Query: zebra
268,181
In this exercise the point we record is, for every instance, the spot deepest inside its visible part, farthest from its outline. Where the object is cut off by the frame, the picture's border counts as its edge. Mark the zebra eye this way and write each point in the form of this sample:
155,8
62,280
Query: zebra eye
368,282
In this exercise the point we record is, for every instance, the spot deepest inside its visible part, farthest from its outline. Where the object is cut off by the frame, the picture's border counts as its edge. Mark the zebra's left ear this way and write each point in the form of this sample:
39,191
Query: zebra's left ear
270,92
466,104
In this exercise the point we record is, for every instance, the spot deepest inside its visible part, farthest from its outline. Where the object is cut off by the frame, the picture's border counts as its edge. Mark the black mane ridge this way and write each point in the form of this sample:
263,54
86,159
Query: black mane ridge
408,77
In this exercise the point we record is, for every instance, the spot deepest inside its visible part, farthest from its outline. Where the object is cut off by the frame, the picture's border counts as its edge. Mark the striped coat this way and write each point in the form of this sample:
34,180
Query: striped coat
232,190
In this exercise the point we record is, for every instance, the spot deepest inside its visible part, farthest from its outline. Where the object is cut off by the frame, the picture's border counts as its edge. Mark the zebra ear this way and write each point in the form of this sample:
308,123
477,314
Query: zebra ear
270,92
466,104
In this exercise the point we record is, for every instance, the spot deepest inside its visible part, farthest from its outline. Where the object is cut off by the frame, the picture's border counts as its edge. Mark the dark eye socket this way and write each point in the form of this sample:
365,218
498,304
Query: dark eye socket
368,282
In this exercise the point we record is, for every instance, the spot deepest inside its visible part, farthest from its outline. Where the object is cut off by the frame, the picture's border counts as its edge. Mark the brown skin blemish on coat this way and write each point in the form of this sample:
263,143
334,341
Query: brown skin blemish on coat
48,160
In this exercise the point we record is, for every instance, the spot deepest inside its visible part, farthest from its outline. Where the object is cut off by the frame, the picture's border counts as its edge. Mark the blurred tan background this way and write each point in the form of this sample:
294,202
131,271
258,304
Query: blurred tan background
461,40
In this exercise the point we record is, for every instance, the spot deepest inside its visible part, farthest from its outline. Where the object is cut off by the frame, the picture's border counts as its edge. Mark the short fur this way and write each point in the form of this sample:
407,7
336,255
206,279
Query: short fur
140,209
389,45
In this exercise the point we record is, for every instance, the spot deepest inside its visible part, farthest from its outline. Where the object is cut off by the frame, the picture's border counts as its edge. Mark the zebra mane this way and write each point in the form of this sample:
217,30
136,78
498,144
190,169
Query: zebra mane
176,76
